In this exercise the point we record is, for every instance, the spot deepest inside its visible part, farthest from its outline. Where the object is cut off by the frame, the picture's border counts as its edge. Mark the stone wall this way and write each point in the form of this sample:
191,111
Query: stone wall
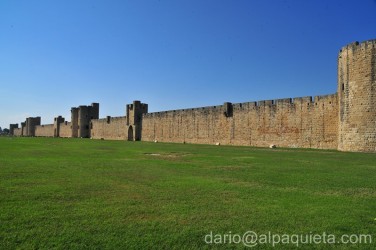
44,130
357,96
12,127
345,120
65,129
114,128
17,132
298,122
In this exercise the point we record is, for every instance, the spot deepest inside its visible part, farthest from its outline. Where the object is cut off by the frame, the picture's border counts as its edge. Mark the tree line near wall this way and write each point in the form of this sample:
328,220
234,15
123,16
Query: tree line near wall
4,131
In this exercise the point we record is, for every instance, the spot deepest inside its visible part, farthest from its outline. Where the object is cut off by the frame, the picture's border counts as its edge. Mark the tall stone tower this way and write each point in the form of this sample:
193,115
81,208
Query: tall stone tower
357,97
12,127
81,117
57,121
134,119
31,122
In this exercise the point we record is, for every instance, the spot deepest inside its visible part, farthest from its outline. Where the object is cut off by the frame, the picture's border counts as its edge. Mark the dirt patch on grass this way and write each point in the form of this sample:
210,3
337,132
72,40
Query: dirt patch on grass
172,156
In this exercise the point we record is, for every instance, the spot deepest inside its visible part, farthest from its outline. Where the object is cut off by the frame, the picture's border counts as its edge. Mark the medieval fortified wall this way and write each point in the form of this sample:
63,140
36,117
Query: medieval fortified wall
345,120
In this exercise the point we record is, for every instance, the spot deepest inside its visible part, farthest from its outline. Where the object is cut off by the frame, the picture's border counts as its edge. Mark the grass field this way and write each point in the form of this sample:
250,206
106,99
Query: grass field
81,193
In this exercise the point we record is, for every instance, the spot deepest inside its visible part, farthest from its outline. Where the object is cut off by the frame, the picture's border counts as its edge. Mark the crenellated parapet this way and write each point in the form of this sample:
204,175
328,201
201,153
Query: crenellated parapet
345,120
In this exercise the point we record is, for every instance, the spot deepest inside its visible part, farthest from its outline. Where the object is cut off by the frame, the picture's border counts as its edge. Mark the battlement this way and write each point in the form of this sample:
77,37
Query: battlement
356,45
110,119
357,100
345,120
308,100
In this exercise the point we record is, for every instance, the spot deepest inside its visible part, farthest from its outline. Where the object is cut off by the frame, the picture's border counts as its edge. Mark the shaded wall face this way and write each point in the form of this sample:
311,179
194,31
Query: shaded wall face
83,121
94,111
31,123
357,98
134,112
74,122
81,117
85,115
303,123
12,127
57,122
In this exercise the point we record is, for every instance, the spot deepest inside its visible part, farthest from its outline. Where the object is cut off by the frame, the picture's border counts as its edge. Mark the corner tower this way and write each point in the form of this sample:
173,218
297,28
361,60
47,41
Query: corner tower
357,97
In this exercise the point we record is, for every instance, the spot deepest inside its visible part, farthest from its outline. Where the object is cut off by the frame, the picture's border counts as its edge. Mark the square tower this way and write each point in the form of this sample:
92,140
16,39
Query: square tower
81,118
12,127
31,122
134,119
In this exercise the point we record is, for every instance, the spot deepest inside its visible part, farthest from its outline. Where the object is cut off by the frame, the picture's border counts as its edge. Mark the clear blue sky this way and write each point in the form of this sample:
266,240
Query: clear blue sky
170,54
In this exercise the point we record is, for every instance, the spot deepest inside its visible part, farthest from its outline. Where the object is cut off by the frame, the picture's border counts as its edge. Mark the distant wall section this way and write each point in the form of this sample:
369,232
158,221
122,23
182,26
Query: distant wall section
44,130
17,132
65,129
298,122
12,127
114,128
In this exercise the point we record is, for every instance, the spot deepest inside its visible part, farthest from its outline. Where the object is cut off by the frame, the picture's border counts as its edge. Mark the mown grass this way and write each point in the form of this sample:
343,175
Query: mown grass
81,193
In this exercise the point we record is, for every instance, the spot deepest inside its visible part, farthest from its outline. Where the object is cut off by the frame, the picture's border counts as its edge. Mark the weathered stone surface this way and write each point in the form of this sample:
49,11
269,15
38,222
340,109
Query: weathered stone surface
345,120
44,130
298,122
357,97
114,128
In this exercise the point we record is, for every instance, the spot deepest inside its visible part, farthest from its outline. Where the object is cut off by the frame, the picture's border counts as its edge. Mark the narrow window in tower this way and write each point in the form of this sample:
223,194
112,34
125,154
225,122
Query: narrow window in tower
343,86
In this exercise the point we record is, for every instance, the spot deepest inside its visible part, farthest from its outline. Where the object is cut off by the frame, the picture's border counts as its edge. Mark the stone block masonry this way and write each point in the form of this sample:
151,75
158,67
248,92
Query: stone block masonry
357,97
65,129
345,120
298,122
113,128
44,130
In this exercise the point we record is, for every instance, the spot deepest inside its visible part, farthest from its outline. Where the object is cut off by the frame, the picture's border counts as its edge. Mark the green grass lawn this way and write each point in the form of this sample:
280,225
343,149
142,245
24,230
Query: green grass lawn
81,193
